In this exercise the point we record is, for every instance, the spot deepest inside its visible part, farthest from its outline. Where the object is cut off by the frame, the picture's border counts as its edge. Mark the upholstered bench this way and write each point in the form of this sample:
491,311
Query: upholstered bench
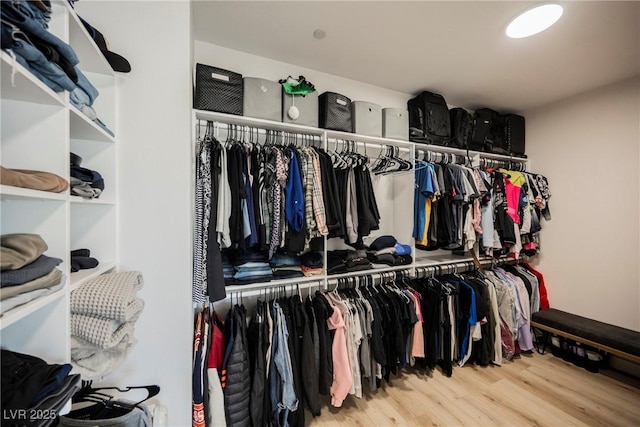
615,340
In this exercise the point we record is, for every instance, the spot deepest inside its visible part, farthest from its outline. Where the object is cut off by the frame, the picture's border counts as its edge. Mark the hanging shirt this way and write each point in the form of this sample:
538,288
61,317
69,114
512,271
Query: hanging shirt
294,196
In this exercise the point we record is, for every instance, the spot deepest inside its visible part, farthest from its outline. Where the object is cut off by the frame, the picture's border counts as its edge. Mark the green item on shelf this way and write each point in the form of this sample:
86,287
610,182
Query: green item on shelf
297,87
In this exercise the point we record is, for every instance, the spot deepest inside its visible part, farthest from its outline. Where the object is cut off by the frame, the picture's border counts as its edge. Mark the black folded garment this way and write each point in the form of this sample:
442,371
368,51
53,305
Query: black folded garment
312,259
344,261
83,263
24,377
403,259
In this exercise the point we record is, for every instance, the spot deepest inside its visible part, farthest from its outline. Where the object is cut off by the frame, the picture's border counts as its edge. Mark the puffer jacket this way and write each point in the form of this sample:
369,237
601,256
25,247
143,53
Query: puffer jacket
238,385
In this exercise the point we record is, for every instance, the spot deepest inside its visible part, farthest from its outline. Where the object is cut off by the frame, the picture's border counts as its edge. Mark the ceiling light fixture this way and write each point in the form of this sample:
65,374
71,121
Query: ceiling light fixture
534,21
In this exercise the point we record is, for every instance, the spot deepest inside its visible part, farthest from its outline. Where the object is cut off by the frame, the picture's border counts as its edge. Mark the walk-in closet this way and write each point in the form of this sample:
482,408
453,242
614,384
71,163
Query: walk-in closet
219,213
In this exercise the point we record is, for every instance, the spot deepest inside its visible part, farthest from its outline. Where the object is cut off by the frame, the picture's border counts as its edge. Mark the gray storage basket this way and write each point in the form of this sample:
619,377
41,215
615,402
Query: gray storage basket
262,99
307,107
367,118
395,123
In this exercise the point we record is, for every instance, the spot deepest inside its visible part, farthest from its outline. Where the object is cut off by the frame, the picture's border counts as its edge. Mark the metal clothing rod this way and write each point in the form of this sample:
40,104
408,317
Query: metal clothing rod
519,165
461,266
382,276
243,132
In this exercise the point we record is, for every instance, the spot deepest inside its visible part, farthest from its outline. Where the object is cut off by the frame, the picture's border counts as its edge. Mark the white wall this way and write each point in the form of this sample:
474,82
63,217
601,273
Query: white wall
588,146
154,118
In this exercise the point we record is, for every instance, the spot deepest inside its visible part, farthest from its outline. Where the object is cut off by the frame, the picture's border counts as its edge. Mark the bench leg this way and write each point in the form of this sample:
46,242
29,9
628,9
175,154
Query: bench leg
542,340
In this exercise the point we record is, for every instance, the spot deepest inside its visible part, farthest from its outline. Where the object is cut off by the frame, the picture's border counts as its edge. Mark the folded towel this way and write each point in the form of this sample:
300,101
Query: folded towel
94,363
18,250
103,333
111,296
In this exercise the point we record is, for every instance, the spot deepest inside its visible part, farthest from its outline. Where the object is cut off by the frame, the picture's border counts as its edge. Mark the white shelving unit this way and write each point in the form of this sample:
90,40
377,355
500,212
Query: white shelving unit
397,191
39,128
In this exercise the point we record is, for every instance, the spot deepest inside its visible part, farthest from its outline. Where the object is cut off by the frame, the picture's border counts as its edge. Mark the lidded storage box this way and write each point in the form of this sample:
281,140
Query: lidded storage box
395,123
218,90
307,106
262,99
335,112
367,118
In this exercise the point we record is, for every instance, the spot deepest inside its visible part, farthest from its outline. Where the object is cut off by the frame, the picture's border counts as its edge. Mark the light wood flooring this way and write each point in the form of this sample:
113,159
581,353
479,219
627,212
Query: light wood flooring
537,390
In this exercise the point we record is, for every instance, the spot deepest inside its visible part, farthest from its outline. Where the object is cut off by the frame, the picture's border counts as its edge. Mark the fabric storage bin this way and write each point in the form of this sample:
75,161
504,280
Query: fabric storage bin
262,99
218,90
366,118
334,112
395,123
307,108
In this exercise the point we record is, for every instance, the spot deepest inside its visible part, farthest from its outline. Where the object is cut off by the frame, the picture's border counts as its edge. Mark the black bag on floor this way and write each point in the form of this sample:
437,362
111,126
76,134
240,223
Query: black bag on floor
429,119
461,127
487,130
334,112
218,90
514,133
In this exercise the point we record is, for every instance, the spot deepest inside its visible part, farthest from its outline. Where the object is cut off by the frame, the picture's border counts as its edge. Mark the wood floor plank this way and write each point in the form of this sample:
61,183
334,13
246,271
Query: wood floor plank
539,390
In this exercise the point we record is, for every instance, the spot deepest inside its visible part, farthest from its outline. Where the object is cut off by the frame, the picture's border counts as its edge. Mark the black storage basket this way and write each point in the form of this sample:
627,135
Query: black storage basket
218,90
334,112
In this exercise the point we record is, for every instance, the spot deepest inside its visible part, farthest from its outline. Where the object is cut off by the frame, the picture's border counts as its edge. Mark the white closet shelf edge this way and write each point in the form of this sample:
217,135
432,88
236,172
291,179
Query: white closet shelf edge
83,276
19,84
260,123
8,193
22,311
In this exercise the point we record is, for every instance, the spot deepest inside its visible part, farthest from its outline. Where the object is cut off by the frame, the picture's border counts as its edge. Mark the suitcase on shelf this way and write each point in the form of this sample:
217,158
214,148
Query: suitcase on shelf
514,131
486,130
461,127
429,119
218,90
307,106
262,99
395,123
334,112
366,118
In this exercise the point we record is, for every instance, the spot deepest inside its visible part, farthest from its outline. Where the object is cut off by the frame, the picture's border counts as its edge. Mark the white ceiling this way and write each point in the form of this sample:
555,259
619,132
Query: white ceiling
454,48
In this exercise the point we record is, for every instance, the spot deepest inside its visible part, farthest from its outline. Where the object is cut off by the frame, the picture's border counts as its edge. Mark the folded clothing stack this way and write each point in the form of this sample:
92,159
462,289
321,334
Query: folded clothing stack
312,264
81,260
227,267
285,265
249,267
34,180
386,251
346,261
85,182
26,274
103,315
32,387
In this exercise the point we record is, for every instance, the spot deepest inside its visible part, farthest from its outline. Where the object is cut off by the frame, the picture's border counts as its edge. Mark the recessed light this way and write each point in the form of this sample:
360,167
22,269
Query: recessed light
534,21
319,34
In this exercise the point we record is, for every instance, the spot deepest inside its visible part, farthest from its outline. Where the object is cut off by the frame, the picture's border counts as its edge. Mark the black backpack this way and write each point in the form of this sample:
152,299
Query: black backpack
461,127
429,119
488,131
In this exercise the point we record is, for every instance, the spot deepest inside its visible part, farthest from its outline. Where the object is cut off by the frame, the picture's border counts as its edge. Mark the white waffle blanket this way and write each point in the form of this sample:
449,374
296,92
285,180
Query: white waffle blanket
110,296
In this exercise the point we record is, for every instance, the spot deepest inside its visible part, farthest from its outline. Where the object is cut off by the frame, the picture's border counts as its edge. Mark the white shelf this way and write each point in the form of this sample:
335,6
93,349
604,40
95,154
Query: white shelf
83,276
82,200
83,128
25,86
22,311
35,119
91,58
370,271
348,136
261,123
8,192
275,283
